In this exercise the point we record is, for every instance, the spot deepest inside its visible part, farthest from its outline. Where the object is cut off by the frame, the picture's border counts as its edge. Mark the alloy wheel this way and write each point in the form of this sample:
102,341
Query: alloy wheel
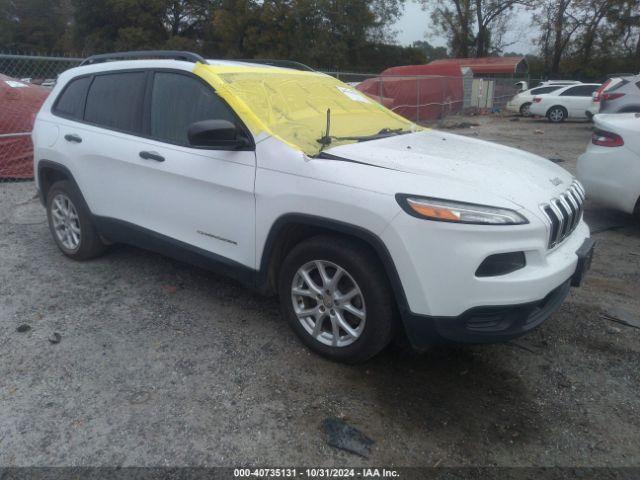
556,115
328,303
66,223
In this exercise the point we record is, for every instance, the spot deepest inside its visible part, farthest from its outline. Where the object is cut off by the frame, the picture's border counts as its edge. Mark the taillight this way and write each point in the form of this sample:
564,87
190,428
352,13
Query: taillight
607,97
537,99
598,94
606,139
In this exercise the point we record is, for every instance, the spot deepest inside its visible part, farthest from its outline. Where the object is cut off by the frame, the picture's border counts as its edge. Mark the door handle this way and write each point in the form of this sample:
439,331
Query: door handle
152,156
73,138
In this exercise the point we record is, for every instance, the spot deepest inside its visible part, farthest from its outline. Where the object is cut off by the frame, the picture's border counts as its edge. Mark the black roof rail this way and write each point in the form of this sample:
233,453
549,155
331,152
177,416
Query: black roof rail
144,55
279,63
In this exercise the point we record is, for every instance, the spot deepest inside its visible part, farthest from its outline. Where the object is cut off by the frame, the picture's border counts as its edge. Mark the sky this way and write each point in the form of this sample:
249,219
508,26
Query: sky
415,22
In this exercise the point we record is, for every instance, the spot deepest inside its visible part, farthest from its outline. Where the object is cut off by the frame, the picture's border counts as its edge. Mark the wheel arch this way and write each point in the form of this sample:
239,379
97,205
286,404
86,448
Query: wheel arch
291,229
51,172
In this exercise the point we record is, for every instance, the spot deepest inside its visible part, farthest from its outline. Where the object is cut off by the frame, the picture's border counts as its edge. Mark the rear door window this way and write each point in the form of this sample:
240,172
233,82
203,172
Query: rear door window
70,103
116,101
179,100
580,91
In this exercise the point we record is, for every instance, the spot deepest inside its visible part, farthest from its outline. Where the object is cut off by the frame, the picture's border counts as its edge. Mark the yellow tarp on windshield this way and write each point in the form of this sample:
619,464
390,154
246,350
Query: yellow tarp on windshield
292,105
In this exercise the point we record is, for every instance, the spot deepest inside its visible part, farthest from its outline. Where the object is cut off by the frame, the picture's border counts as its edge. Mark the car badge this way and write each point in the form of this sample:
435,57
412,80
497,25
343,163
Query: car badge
556,181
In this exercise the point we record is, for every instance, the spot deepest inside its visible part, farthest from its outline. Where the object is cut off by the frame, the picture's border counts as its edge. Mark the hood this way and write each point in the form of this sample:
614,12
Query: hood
520,177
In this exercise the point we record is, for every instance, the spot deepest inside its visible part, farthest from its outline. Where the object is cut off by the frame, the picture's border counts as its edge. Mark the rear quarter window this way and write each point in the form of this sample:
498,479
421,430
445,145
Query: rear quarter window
543,90
116,101
70,103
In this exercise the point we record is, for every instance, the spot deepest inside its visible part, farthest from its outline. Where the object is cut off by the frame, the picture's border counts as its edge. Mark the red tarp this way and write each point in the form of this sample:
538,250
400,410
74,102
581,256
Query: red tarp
486,65
19,104
418,92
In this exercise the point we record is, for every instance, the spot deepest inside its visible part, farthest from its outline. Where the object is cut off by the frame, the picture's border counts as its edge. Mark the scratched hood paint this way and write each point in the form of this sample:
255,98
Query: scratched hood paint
518,176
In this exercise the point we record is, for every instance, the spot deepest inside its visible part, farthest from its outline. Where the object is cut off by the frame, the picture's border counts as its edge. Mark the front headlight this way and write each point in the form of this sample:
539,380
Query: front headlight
458,212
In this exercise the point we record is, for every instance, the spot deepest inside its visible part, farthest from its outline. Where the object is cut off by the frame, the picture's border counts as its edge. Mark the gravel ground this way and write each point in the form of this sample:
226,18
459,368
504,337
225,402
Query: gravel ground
160,363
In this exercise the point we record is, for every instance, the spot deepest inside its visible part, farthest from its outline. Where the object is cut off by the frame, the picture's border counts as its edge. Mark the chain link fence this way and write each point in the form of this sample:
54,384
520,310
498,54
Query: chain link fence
25,83
26,80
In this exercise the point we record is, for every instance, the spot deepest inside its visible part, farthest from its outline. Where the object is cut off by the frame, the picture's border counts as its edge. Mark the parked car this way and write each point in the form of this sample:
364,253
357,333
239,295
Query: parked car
567,102
596,97
559,82
610,168
366,225
622,97
521,102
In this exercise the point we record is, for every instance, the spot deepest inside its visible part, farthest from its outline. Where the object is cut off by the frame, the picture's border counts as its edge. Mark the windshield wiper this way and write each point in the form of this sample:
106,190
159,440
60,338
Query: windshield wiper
327,139
385,132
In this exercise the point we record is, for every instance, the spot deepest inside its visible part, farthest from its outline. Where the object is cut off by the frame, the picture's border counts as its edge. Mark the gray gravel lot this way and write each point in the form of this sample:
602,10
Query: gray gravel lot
161,363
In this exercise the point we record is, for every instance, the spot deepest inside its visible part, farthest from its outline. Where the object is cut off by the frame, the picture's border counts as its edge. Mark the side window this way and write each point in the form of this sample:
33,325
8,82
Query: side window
71,102
543,90
571,92
580,91
177,101
116,101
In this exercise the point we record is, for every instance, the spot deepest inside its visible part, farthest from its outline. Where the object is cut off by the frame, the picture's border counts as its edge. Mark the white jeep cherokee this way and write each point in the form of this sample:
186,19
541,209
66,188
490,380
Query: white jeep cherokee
366,225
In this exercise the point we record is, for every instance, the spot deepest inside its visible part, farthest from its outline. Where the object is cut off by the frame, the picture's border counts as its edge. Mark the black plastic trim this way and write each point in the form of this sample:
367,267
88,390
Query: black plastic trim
291,64
340,227
125,232
514,320
144,55
42,164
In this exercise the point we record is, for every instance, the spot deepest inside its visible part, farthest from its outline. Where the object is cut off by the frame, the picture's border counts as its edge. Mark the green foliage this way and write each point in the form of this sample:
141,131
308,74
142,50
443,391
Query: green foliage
430,52
582,38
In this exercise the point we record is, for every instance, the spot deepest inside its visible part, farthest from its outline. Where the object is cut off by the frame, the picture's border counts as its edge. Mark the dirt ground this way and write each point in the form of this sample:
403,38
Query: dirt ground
162,364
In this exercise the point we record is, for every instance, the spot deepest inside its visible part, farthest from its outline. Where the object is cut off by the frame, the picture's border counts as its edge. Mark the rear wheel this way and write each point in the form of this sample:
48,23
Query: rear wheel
557,114
70,223
336,297
525,110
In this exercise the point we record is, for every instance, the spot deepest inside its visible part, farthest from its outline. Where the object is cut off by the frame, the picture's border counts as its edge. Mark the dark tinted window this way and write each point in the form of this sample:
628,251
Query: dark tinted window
71,102
178,101
543,90
580,91
115,101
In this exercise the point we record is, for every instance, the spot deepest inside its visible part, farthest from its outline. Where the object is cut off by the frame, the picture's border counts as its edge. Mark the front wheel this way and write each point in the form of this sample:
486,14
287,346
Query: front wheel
336,297
525,110
557,114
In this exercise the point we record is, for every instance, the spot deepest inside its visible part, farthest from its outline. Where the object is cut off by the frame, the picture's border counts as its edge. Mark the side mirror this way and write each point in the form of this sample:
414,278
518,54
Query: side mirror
221,134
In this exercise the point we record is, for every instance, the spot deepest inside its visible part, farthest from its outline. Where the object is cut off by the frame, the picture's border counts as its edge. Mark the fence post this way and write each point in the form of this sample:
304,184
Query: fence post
418,99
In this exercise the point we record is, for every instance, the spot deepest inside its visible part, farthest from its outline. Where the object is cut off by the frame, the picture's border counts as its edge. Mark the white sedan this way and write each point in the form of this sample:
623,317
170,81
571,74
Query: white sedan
521,102
610,168
571,101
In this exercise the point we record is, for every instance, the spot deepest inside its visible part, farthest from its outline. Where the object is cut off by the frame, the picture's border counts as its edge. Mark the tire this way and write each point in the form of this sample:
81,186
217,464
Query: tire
524,109
557,114
70,222
362,272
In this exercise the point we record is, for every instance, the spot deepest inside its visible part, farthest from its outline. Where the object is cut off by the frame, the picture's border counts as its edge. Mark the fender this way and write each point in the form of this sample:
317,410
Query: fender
340,227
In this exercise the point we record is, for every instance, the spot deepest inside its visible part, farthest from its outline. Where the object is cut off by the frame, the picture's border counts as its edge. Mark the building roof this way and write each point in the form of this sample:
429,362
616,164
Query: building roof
487,64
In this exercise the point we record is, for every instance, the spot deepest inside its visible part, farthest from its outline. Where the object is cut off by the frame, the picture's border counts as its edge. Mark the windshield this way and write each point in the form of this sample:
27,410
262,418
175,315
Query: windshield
293,105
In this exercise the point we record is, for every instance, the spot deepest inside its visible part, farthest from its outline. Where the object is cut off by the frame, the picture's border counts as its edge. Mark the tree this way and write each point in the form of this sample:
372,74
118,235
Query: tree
588,37
429,51
27,25
473,27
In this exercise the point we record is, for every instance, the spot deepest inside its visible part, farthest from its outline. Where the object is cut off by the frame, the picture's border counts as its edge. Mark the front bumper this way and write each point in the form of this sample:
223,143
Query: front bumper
484,324
495,324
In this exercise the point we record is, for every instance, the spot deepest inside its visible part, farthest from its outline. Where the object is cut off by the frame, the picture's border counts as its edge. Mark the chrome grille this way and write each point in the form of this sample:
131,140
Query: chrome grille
564,213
